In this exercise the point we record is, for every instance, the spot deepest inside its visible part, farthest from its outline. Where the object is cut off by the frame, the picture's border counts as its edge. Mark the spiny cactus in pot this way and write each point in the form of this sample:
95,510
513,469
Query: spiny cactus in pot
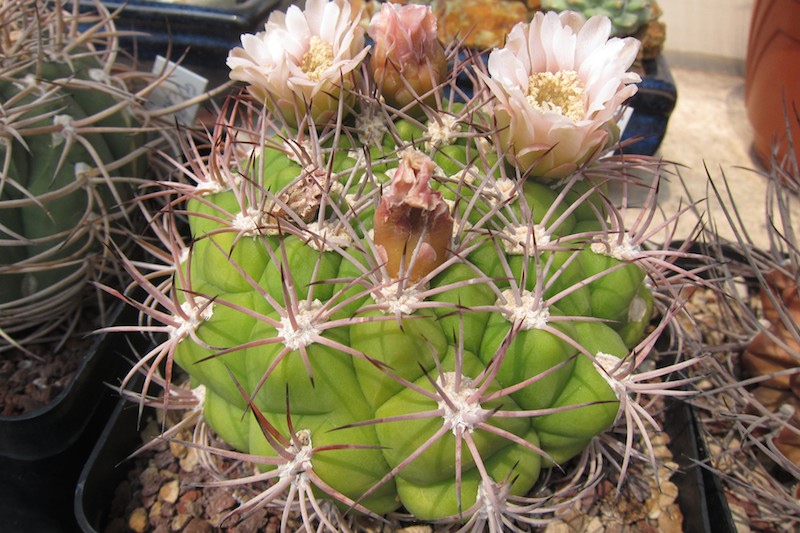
750,325
413,309
74,138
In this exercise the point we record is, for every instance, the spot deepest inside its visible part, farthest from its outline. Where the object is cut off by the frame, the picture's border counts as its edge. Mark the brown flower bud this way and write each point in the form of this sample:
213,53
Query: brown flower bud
413,226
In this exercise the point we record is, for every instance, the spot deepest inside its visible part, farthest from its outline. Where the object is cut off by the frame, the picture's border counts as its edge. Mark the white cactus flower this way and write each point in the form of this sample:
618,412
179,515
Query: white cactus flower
302,58
558,84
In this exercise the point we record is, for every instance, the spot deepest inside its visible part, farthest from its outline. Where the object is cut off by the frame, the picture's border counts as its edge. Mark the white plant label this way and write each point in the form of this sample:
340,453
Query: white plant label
181,85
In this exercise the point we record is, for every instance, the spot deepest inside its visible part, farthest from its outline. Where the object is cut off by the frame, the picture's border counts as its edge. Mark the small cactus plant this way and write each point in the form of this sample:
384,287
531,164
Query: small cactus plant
73,145
627,16
382,309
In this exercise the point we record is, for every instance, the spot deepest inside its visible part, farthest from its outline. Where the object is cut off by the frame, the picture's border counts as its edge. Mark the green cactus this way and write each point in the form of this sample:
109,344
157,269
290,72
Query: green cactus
72,149
385,313
627,16
500,350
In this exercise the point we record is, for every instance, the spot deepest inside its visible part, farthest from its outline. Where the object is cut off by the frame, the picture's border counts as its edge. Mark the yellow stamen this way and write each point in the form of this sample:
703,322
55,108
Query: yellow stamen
318,58
560,91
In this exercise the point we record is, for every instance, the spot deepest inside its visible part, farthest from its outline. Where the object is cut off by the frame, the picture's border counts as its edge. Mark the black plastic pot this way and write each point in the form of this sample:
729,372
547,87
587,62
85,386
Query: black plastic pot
106,467
41,452
701,497
652,106
53,428
207,28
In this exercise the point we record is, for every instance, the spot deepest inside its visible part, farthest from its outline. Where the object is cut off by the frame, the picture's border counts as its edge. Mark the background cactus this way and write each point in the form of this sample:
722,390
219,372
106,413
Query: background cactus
73,145
750,326
627,16
382,311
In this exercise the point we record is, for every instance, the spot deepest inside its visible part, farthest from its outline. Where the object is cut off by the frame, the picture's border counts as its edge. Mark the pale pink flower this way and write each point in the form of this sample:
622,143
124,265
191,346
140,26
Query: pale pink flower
301,58
408,61
558,85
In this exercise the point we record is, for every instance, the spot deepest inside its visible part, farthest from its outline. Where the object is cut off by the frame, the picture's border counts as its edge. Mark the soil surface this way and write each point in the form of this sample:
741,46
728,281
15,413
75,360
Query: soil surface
29,382
165,490
741,423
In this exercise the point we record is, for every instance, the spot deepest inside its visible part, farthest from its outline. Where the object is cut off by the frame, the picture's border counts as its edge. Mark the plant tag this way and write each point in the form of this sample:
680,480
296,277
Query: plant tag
624,119
181,85
622,123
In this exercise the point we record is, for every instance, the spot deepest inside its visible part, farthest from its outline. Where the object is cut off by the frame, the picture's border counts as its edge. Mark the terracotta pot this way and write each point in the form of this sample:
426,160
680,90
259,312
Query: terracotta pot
772,77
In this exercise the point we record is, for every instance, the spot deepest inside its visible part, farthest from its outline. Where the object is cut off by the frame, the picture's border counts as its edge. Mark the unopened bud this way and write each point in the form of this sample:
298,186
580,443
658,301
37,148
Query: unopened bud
408,60
413,226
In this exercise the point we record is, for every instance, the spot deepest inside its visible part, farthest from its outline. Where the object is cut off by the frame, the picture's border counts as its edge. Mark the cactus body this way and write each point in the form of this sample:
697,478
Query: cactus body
359,355
385,311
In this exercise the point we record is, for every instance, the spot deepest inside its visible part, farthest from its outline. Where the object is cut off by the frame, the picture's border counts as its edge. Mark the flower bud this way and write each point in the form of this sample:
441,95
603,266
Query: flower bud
413,226
408,60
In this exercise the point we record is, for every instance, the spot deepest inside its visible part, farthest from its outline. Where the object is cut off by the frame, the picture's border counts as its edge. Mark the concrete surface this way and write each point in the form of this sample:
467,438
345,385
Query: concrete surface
709,129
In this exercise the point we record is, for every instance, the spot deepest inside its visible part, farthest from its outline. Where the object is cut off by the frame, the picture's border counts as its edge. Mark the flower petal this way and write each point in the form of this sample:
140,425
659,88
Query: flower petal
593,35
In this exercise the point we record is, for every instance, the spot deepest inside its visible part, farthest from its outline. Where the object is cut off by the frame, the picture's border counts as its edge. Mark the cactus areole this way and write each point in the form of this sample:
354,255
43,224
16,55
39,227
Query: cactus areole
405,324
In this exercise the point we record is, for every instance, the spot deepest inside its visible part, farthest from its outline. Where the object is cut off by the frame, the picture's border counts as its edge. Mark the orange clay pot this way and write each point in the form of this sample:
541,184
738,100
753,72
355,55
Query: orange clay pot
772,78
